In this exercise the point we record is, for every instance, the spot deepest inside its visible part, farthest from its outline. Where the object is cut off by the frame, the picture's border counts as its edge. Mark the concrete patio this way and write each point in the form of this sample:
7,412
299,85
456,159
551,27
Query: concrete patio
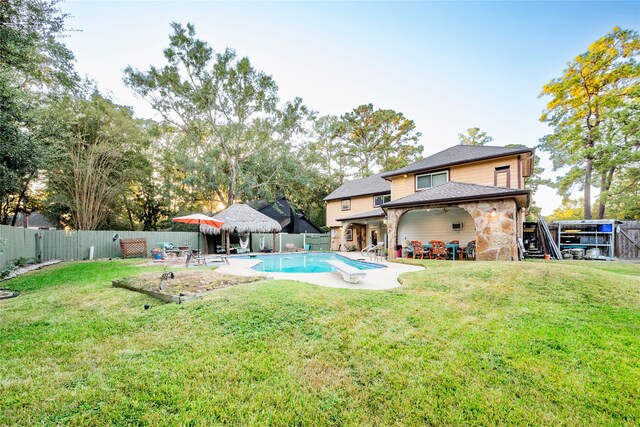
378,279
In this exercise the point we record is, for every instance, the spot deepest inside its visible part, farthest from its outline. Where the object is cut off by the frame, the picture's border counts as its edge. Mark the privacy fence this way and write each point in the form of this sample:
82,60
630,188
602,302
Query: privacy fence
44,245
628,240
314,242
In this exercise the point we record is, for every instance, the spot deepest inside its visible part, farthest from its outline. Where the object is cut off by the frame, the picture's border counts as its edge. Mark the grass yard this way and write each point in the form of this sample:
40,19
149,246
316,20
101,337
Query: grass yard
532,343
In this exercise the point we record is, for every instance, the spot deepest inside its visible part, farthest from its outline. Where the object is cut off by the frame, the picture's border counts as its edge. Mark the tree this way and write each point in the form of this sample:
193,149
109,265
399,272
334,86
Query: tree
377,140
33,63
595,85
474,137
99,156
228,114
568,210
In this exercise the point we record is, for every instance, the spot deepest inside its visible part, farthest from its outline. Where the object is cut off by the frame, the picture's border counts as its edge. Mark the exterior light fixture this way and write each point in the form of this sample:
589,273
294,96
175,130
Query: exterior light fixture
494,213
404,176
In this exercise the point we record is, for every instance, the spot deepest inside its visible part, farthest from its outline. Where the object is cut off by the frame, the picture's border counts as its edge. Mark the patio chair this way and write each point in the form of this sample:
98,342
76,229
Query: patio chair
417,249
438,249
470,250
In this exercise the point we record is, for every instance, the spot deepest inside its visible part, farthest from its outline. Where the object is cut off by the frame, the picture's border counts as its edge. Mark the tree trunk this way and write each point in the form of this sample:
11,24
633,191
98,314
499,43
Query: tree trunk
605,184
587,188
20,198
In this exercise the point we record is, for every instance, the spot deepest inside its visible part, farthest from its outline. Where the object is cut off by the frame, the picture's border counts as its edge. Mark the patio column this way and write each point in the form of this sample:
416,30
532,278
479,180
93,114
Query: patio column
343,236
393,218
227,242
496,229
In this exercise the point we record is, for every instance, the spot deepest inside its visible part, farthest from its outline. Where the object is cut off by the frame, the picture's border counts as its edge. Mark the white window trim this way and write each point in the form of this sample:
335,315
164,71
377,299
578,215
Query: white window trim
427,174
380,195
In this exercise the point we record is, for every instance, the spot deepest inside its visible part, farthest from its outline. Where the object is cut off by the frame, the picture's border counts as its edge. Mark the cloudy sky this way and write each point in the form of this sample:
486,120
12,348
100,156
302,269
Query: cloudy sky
448,66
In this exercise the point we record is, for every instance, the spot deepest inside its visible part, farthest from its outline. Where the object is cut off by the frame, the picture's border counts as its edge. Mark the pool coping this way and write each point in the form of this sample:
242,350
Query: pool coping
383,279
375,265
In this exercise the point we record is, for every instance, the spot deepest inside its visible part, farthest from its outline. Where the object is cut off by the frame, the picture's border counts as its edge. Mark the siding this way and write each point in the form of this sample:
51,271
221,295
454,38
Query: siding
426,225
358,205
483,172
401,186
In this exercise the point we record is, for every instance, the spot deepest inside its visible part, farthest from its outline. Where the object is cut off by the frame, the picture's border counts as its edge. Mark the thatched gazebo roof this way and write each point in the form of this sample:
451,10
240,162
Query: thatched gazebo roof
241,218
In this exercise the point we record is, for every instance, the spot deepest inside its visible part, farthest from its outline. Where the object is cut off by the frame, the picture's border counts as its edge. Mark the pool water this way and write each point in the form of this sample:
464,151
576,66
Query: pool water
311,262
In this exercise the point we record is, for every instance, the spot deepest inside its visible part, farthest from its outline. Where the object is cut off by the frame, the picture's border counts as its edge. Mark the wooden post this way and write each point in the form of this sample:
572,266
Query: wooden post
250,242
274,241
226,235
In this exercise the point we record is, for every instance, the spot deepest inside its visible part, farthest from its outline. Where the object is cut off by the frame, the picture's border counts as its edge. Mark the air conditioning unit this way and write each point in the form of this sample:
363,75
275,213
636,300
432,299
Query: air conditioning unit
457,226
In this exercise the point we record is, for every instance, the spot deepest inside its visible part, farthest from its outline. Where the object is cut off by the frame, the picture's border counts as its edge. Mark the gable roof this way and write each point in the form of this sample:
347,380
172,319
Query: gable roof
291,218
456,191
456,155
373,184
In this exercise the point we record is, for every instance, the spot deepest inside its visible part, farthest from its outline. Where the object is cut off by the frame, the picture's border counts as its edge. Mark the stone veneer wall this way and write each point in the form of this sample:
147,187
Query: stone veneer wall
496,231
496,234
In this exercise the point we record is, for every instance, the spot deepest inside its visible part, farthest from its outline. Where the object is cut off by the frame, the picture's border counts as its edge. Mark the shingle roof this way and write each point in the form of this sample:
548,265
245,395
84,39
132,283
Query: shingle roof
372,184
454,191
373,213
455,155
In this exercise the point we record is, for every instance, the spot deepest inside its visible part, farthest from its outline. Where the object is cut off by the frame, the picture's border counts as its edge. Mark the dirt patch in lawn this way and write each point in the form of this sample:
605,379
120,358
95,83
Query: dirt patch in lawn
180,286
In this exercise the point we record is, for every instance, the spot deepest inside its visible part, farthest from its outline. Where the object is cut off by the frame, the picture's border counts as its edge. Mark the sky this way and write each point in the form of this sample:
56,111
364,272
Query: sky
448,66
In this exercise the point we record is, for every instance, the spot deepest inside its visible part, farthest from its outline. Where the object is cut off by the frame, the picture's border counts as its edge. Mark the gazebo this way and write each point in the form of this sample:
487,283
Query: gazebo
241,218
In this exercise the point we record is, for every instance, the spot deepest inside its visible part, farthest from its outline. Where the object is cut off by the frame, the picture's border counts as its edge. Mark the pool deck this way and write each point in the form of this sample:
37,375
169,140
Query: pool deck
376,279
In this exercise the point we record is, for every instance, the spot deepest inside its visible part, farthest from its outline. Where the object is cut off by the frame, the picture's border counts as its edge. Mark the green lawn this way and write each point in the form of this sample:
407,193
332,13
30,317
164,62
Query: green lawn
532,343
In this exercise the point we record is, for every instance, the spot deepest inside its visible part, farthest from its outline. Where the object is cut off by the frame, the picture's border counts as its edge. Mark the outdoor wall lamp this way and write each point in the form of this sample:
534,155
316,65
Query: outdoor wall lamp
494,213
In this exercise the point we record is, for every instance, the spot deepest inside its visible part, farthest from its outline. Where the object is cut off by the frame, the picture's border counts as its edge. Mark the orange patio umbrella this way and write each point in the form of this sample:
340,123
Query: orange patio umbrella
199,219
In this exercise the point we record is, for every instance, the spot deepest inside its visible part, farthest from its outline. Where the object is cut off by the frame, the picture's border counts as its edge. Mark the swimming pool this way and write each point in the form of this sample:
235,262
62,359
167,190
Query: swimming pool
310,262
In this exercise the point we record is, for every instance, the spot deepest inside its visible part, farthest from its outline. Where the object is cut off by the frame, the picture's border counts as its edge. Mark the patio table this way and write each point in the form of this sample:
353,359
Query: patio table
449,246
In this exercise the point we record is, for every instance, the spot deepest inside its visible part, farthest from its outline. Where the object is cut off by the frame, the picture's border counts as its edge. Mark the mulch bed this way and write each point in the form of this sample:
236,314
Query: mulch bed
185,285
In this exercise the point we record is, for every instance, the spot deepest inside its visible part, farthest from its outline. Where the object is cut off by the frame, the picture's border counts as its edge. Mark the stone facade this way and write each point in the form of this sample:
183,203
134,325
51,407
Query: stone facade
496,229
496,224
359,236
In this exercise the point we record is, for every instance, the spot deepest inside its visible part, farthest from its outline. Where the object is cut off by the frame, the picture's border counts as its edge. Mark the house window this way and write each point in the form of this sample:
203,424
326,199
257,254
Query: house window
378,200
349,234
502,176
431,180
346,204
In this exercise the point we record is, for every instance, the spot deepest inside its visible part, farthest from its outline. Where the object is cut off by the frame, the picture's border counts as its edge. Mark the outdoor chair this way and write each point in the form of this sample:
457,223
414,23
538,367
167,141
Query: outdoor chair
470,250
417,249
438,249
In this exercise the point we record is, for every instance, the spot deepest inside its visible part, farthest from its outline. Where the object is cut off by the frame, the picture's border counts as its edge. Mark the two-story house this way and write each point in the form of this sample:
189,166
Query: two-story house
462,193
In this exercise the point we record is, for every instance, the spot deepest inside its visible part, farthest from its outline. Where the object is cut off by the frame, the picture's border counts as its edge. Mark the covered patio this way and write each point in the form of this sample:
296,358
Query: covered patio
362,230
492,216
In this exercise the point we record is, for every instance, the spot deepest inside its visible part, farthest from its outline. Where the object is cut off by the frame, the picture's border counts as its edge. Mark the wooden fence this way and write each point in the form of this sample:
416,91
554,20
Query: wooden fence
44,245
628,232
316,242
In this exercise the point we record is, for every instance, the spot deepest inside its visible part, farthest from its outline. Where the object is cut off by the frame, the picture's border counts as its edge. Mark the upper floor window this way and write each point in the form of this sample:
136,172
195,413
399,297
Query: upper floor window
346,204
431,180
502,176
378,200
